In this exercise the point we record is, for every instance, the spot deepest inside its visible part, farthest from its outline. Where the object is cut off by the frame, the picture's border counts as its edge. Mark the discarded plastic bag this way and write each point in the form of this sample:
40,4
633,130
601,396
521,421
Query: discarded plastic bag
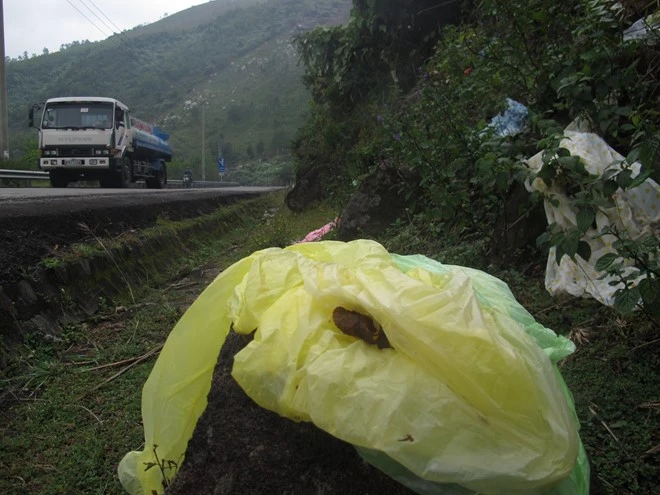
467,395
635,212
511,121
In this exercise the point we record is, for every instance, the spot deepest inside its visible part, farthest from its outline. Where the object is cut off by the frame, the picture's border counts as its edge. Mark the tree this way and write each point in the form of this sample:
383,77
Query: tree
31,151
45,51
228,153
279,141
385,40
261,148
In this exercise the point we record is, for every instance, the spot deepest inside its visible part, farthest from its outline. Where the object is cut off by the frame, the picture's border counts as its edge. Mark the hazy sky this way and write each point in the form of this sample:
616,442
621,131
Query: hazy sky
31,25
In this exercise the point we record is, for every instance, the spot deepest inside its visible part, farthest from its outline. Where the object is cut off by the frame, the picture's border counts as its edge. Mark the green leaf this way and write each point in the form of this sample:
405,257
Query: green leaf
542,240
605,261
569,245
540,15
649,289
624,111
610,187
585,219
502,181
559,254
624,179
547,173
640,179
608,174
625,300
569,162
584,250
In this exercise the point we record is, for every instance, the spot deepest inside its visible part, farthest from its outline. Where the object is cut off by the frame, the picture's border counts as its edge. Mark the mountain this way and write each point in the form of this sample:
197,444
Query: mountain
229,63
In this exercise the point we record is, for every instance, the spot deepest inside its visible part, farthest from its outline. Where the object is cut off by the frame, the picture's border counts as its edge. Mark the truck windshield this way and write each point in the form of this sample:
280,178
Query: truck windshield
77,115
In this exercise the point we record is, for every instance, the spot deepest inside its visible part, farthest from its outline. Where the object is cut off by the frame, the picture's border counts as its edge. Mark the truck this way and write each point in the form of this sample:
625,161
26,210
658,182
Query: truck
98,139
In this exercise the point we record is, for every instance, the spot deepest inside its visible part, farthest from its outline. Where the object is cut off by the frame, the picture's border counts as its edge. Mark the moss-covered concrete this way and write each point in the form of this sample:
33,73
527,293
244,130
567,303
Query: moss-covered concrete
69,287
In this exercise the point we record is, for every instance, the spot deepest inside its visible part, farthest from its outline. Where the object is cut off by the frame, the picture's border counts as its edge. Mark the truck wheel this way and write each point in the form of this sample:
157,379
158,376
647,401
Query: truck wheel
125,173
58,179
107,182
159,179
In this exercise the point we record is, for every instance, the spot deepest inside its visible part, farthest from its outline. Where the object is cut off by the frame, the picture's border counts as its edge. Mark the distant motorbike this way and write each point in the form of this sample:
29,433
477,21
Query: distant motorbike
187,181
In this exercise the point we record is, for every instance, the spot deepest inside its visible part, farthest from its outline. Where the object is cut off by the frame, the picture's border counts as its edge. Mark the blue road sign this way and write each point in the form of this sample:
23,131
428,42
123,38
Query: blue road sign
221,165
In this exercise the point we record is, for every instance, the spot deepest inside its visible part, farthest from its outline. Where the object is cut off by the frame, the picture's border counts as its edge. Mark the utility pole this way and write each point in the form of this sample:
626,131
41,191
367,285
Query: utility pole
4,127
203,145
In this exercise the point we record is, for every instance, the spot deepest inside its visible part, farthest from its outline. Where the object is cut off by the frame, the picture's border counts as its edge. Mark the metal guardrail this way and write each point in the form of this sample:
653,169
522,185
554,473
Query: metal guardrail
23,175
178,184
31,175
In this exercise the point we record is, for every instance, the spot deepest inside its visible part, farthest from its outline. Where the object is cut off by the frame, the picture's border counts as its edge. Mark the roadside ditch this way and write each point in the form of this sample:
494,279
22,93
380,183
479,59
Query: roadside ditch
72,283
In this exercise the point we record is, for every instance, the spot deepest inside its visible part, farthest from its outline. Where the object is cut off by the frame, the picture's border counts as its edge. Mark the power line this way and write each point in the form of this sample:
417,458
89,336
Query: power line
110,21
96,15
91,22
88,19
117,41
119,32
121,36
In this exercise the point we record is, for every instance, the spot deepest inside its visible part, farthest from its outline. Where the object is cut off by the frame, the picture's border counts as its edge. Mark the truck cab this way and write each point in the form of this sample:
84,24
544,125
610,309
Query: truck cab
97,138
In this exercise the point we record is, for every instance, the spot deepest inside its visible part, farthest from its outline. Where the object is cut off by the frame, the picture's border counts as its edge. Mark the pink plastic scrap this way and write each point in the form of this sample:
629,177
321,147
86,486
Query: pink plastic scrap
317,234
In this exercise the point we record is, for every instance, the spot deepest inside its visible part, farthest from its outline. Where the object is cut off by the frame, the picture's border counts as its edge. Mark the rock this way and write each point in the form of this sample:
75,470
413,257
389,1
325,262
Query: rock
46,327
8,325
380,200
308,189
517,228
86,299
27,301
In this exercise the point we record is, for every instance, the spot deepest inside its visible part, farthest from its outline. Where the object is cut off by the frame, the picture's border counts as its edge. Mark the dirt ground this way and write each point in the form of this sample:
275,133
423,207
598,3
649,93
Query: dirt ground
240,448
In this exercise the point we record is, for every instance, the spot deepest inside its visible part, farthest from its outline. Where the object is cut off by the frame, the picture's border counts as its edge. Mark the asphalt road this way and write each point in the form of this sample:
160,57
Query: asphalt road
28,201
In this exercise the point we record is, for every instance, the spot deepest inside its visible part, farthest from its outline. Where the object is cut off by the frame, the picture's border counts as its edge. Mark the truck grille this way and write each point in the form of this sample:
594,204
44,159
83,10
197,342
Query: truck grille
71,151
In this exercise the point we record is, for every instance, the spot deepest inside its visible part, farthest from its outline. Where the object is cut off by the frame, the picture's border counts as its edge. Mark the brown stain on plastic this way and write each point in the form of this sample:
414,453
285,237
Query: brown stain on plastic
360,326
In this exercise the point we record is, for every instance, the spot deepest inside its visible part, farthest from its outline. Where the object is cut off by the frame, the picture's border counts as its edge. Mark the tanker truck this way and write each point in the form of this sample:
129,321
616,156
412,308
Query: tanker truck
97,138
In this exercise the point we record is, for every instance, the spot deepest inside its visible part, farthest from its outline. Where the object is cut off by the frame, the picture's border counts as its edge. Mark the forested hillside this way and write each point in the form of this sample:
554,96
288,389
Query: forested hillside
233,58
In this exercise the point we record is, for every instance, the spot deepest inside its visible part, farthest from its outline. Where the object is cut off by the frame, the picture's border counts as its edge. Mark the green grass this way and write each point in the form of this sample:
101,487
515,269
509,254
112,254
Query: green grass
70,420
72,416
614,379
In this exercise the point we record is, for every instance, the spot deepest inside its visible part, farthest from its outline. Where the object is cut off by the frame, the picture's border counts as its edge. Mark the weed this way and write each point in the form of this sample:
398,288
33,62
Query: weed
84,250
80,410
88,230
51,262
163,466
